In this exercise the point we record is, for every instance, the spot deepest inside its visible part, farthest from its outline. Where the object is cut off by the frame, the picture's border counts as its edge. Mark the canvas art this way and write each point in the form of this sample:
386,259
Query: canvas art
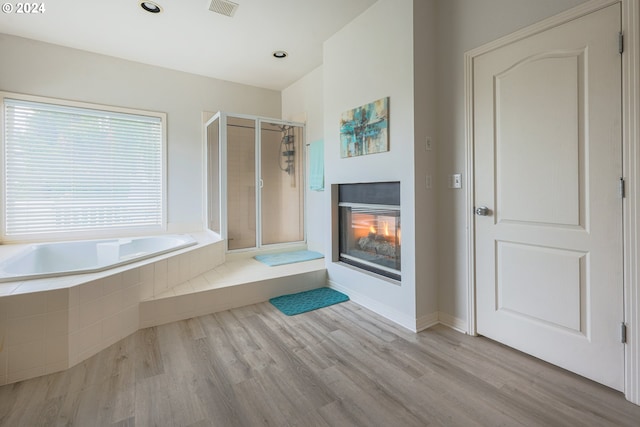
365,129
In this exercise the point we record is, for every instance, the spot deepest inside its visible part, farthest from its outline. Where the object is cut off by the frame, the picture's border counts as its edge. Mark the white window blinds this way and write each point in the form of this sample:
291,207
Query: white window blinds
70,169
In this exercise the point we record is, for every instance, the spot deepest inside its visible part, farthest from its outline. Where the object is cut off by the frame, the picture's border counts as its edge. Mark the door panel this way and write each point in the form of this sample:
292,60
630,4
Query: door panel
546,287
546,187
548,158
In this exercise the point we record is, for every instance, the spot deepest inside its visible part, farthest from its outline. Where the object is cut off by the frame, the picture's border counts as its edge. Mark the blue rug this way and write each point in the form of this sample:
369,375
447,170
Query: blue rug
307,301
288,257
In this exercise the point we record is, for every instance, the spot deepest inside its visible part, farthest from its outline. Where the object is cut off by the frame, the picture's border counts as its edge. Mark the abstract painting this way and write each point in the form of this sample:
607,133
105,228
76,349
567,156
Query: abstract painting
365,129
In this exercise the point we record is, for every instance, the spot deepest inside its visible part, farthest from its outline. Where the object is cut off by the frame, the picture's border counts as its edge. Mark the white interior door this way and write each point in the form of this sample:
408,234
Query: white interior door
548,162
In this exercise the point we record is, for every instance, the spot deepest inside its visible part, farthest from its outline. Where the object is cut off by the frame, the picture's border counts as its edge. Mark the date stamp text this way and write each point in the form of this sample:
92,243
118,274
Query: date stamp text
23,8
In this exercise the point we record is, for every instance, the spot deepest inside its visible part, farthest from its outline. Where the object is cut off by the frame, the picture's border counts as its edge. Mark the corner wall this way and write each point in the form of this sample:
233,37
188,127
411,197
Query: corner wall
371,58
302,102
426,193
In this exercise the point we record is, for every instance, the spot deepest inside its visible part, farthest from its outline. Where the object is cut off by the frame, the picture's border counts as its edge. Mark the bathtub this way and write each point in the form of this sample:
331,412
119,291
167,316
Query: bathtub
43,260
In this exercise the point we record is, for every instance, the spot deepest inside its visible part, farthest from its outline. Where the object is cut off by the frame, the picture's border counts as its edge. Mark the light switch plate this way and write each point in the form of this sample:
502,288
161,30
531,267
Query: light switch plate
455,180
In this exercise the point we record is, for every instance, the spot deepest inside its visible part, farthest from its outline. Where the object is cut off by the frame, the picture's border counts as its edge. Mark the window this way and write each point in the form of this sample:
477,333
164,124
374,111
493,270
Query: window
74,168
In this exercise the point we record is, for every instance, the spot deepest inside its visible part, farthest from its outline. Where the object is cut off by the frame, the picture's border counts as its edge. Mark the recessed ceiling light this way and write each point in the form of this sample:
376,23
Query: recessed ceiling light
280,54
150,6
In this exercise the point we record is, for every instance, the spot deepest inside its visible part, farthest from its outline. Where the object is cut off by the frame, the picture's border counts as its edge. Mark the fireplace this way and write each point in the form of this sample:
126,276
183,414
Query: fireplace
369,227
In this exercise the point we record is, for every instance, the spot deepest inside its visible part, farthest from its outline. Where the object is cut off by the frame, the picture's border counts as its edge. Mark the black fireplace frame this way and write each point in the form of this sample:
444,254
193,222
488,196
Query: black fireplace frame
382,196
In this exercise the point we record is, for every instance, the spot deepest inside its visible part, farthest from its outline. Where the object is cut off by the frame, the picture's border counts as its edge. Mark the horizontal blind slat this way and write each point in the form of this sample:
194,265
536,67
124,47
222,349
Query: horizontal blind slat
69,169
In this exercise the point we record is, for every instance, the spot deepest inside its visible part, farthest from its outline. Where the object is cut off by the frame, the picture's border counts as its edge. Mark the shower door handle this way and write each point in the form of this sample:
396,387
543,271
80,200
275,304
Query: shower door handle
260,183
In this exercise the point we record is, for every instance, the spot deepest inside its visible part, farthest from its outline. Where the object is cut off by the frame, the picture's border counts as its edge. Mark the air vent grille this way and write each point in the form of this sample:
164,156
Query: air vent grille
223,7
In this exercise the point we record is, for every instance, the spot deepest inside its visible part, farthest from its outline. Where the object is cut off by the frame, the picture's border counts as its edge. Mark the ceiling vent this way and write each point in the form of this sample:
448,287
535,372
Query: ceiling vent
223,7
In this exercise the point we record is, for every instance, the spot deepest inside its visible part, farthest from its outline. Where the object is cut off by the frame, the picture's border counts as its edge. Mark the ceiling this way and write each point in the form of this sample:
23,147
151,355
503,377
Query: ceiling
187,36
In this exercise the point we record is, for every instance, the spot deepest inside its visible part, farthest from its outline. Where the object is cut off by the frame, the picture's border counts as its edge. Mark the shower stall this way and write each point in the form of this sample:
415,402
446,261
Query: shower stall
255,181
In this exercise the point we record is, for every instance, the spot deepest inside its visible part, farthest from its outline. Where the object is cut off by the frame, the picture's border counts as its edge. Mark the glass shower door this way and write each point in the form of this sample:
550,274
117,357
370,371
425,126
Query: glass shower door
282,186
213,175
255,181
241,183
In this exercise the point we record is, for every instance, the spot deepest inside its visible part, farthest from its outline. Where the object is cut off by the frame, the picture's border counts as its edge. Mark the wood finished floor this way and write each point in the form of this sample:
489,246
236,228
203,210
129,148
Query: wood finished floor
339,366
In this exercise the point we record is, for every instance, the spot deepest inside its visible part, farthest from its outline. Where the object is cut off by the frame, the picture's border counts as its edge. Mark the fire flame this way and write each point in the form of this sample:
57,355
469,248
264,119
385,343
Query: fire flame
372,229
386,229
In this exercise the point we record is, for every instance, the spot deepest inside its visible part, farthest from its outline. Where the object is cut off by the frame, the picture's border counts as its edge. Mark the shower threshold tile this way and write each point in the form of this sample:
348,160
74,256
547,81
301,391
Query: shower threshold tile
199,283
184,288
239,272
8,288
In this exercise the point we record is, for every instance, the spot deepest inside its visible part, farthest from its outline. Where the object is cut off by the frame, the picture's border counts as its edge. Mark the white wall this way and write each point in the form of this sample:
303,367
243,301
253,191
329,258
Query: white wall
37,68
371,58
426,226
461,26
302,101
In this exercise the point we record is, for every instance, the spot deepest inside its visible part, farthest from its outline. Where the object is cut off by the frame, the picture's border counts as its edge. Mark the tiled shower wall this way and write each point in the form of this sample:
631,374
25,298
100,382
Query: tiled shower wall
48,331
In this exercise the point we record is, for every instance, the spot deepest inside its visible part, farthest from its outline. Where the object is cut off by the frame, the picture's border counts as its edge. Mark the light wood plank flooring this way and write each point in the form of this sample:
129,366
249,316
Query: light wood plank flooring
339,366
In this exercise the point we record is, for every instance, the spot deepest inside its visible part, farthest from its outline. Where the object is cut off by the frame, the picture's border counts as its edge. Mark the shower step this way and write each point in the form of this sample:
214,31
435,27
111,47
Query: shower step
238,282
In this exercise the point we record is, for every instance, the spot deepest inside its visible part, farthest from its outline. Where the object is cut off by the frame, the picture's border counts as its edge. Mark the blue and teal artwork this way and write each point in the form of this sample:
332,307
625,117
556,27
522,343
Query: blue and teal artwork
365,130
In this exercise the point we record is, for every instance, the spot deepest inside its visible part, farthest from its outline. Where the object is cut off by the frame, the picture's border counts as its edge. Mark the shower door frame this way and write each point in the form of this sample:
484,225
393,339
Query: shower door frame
222,179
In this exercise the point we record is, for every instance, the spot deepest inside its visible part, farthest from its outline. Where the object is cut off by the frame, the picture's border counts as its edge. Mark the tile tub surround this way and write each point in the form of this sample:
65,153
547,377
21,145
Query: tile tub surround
48,325
236,283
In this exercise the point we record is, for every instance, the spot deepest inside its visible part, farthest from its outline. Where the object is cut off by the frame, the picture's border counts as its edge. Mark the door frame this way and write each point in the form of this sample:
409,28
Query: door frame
630,164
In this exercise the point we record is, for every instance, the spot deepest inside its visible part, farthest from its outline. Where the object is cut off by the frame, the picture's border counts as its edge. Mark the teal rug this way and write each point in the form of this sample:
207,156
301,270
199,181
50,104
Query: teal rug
288,257
307,301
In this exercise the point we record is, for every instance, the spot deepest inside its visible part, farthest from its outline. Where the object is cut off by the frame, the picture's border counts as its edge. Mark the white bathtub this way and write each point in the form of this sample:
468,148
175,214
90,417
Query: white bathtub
89,256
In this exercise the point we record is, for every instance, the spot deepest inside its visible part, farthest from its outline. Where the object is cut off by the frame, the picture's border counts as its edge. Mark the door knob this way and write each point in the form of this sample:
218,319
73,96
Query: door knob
482,211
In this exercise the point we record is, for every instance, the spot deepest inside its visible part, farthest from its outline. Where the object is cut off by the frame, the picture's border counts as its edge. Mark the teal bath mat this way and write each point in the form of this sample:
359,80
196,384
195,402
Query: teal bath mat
288,257
307,301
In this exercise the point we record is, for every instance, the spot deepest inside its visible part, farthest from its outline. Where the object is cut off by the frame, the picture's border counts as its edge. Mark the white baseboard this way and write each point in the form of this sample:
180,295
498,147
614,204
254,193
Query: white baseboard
427,321
380,308
414,325
453,322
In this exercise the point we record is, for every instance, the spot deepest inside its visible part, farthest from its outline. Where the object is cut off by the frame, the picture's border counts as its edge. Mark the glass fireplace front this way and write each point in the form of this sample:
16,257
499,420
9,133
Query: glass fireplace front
370,237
